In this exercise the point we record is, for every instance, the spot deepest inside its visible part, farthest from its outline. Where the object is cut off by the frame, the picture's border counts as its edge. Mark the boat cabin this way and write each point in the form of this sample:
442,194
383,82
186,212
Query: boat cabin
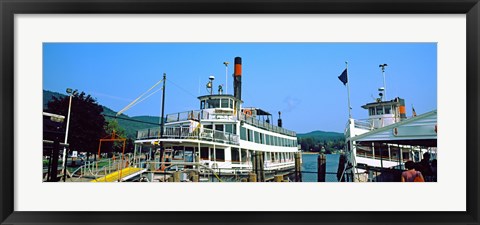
219,103
384,113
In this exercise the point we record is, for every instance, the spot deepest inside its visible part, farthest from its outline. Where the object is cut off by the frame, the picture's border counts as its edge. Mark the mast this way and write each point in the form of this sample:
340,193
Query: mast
162,123
348,93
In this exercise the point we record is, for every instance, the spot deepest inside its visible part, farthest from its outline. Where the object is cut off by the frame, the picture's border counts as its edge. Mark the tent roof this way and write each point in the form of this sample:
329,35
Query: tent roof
419,130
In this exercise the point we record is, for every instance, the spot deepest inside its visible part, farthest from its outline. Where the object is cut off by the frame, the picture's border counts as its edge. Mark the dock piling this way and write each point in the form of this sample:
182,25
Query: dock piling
298,167
278,178
321,167
176,176
252,177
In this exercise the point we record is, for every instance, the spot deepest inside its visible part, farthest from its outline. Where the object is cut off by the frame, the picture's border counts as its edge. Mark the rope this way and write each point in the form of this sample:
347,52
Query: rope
170,81
137,99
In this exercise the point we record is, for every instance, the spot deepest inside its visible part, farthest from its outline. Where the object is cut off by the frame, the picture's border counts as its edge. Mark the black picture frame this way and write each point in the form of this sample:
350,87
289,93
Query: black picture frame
11,7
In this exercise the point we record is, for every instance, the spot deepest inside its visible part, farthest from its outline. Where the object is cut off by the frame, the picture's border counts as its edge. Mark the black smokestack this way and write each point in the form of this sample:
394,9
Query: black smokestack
279,119
237,78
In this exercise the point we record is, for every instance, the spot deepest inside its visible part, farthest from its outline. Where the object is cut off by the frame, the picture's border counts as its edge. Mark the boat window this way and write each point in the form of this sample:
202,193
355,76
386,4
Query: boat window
219,127
388,109
204,153
178,154
379,110
229,128
257,137
243,133
371,111
220,154
213,103
212,154
231,103
244,154
224,102
267,139
262,139
208,126
249,135
235,155
188,154
202,104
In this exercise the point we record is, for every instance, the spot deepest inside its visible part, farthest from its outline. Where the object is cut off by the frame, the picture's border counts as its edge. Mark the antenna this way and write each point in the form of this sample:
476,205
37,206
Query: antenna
384,85
226,76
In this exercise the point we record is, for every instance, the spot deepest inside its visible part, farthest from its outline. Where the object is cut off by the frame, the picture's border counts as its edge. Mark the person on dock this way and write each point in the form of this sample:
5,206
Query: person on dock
434,170
425,167
411,175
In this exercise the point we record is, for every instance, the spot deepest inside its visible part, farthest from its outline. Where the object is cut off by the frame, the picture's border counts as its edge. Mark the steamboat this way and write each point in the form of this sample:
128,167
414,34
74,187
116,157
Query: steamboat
221,138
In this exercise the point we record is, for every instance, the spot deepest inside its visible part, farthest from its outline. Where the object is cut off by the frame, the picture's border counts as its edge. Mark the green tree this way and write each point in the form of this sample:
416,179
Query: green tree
116,146
86,122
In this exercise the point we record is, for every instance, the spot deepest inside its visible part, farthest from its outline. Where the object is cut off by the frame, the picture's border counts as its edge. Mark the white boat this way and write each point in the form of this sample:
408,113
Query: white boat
222,137
378,147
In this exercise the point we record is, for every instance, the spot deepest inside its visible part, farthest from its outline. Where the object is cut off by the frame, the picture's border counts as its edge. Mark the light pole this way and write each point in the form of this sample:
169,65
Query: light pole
384,85
226,76
71,93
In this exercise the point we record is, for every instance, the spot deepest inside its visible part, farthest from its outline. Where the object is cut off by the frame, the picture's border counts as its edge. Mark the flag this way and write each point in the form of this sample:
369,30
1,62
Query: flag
344,77
413,112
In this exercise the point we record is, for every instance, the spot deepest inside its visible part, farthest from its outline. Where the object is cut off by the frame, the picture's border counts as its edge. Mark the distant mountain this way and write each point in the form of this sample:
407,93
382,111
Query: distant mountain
48,96
130,124
322,135
316,141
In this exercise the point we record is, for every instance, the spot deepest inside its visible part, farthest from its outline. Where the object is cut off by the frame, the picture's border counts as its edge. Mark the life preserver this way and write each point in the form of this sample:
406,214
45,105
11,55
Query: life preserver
247,112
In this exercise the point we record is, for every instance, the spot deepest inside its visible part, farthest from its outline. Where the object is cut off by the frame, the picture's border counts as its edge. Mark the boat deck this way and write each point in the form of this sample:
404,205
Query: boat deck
120,175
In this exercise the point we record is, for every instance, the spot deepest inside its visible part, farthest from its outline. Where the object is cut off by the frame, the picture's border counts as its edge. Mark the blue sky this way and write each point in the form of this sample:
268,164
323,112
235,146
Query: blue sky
299,79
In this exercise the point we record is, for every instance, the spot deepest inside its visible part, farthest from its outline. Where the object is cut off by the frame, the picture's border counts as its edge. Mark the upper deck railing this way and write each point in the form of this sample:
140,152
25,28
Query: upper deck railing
189,133
366,124
267,126
373,123
204,115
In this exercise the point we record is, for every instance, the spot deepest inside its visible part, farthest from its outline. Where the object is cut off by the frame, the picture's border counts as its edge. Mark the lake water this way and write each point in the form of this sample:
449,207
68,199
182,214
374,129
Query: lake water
310,167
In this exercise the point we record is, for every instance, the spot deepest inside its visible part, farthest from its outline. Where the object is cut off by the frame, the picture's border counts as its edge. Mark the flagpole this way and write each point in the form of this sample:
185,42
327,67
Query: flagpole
348,91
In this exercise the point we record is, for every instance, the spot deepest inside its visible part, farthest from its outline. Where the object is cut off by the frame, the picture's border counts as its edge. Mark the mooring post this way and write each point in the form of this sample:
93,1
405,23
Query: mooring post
53,177
278,178
176,176
195,178
321,167
298,167
252,177
259,168
341,168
